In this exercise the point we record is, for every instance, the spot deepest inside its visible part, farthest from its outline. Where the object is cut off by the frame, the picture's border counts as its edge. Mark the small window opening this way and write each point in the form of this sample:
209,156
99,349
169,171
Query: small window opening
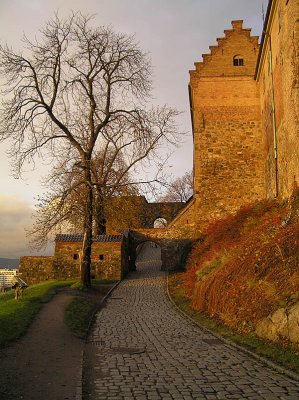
238,61
101,256
75,256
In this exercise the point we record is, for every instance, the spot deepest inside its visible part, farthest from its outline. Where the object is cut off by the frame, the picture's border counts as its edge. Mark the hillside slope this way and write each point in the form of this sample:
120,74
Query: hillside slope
244,271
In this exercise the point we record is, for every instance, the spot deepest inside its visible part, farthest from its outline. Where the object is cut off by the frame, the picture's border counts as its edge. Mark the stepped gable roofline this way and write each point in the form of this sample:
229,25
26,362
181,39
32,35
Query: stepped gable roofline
237,26
62,237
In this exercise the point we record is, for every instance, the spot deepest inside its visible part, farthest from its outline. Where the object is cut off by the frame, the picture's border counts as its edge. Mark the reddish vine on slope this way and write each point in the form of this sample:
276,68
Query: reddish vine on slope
247,264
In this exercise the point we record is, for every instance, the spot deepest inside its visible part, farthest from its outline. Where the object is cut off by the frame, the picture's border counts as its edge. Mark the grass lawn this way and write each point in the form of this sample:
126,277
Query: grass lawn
16,315
287,358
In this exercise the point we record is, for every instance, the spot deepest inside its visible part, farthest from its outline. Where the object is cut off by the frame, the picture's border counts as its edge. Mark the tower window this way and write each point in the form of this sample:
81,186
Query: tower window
238,61
75,256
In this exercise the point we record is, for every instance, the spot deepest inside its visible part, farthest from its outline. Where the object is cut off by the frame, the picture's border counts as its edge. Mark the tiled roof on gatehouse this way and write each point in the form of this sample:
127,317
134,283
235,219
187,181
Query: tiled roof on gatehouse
62,237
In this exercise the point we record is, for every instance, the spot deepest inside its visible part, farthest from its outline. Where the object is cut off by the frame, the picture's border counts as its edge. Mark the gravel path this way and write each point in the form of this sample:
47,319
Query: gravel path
142,348
45,364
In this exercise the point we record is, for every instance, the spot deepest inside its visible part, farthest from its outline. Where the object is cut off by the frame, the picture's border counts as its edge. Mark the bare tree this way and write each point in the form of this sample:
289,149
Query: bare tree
61,207
180,189
72,90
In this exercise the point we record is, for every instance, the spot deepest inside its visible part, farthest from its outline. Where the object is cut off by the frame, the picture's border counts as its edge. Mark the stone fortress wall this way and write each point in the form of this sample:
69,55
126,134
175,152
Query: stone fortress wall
109,260
244,100
277,77
228,162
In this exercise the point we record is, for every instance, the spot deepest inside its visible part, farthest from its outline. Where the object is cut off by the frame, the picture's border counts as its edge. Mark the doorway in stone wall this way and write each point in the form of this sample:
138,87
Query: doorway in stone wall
148,254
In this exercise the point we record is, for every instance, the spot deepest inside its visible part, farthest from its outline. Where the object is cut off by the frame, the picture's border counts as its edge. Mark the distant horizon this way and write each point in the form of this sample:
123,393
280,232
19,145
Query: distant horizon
14,263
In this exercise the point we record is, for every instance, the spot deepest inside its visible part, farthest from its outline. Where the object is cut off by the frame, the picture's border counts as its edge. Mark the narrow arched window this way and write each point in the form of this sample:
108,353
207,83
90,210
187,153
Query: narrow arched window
238,61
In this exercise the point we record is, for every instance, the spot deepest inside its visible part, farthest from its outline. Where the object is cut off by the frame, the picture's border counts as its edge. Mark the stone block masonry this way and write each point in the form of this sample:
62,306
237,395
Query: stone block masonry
109,260
36,269
106,259
244,100
228,167
227,134
277,76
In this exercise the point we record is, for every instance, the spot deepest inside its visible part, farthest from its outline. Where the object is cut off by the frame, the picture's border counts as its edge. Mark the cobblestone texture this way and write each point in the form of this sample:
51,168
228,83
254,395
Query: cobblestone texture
142,348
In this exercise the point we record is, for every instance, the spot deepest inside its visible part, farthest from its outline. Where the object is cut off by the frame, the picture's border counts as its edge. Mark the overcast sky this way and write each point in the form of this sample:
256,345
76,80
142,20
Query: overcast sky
174,32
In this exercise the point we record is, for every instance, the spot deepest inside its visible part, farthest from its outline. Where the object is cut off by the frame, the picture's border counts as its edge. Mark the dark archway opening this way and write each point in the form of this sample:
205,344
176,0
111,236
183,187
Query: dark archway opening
148,253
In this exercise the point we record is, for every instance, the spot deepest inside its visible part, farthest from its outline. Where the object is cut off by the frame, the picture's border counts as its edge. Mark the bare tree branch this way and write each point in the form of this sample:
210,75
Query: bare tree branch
180,189
78,93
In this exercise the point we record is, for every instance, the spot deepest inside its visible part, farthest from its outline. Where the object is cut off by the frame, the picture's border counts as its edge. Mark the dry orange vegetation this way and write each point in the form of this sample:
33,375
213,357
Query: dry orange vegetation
246,265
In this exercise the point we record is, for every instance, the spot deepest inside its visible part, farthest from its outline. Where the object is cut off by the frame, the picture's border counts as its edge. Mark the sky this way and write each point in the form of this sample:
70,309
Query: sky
175,33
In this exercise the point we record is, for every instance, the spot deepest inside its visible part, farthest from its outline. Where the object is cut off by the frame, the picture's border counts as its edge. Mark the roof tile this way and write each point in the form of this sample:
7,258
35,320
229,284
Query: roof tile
62,237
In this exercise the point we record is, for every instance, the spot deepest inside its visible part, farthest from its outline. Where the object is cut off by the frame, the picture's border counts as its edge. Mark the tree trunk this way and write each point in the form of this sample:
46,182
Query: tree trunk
100,220
85,266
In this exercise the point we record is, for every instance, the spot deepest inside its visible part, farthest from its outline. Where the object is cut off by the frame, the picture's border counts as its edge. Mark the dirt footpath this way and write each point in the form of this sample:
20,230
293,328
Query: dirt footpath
46,362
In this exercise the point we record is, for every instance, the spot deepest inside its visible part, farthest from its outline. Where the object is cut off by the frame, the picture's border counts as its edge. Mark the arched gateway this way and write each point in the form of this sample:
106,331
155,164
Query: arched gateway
173,251
148,253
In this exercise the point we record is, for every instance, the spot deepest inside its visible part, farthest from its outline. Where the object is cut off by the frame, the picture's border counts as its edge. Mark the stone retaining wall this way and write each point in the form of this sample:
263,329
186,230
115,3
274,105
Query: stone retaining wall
282,324
109,261
36,269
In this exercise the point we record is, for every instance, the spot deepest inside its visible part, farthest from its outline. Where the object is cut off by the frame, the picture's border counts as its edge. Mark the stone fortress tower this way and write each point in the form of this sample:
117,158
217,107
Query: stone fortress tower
244,102
228,142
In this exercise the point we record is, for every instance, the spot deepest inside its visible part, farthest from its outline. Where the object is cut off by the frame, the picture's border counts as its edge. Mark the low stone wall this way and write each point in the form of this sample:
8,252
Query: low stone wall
66,269
106,260
110,265
35,269
109,260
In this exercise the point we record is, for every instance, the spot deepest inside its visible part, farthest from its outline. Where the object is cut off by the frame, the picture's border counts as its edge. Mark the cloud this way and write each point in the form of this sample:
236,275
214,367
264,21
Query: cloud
15,217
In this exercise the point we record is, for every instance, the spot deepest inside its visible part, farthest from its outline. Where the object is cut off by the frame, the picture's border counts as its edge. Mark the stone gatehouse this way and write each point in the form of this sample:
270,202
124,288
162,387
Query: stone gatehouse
114,254
109,259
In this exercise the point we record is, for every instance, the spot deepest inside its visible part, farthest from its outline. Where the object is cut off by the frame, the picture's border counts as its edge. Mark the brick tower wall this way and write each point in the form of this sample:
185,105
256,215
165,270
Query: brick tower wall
228,142
278,80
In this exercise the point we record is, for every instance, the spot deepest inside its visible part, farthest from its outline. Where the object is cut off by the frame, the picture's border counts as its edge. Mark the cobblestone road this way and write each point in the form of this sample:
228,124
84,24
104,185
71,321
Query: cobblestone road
142,348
